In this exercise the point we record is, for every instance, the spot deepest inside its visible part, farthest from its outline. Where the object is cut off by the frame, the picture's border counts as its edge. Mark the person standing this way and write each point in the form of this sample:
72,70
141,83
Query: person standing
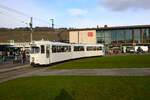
24,57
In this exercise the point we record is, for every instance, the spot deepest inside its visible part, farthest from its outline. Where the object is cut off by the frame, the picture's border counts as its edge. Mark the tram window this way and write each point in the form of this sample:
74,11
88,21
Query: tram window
78,48
81,48
99,48
67,48
91,48
42,49
94,48
56,49
64,49
35,50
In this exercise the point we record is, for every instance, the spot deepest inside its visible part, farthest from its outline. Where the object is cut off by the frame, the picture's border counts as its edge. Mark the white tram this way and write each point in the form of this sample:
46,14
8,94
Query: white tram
46,52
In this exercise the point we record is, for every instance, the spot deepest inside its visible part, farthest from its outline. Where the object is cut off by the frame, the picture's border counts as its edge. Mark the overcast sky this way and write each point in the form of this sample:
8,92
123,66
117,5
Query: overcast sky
75,13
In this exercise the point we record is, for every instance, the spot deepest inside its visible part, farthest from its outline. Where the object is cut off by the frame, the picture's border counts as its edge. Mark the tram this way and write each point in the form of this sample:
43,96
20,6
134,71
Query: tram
47,52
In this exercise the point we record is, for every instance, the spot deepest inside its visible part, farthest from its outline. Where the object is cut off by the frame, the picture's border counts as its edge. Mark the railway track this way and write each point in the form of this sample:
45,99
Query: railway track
16,73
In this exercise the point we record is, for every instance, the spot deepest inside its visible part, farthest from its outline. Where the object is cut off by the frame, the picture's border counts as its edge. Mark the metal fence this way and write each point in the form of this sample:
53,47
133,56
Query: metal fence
13,60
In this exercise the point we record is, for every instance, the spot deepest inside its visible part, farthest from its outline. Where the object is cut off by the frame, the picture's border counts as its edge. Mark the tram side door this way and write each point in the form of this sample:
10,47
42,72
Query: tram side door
48,52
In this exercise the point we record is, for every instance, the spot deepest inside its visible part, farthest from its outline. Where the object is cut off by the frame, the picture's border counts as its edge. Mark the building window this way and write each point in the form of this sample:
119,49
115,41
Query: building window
90,34
128,36
137,36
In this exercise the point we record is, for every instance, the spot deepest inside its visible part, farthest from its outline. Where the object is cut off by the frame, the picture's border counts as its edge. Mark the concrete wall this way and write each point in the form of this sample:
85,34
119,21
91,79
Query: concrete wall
83,36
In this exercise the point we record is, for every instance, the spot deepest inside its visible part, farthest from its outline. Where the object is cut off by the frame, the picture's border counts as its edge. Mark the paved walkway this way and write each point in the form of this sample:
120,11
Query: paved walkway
17,72
13,67
26,71
94,72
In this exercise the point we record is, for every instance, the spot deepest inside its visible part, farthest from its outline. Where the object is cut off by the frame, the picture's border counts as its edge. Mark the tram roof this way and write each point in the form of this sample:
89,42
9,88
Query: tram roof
49,42
60,43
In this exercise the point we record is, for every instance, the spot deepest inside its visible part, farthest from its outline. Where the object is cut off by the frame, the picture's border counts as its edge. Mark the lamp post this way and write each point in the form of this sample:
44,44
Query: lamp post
31,28
52,23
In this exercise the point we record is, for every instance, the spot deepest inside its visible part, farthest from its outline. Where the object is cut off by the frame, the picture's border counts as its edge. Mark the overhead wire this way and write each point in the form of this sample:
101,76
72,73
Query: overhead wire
22,14
13,18
14,10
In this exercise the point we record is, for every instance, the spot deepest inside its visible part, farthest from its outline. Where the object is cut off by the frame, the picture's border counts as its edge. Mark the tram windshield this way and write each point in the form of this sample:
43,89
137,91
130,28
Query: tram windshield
35,50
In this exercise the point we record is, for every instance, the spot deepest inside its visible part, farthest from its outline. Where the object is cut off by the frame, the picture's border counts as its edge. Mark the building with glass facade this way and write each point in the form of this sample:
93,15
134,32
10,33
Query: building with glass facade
122,35
126,35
